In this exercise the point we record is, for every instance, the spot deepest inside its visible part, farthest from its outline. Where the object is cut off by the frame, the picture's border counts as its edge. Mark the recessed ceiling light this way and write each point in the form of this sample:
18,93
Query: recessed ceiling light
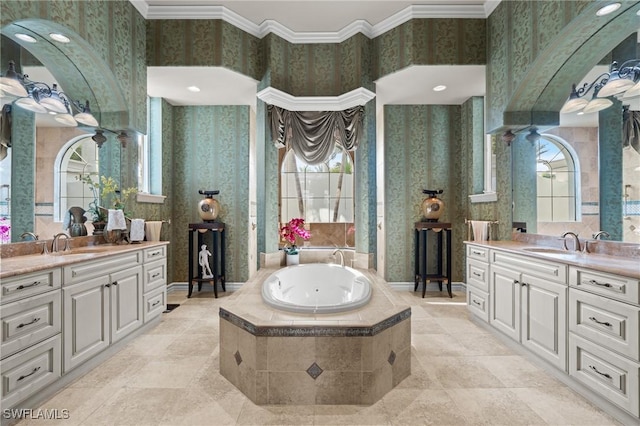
26,37
439,88
605,10
53,113
194,89
60,37
580,113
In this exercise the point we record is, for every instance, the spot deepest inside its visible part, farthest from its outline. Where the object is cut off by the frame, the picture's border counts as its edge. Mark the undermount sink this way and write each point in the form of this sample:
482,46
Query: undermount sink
547,250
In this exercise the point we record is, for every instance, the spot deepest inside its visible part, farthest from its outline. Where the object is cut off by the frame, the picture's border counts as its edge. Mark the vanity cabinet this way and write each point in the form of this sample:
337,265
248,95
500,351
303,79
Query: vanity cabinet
101,307
30,317
530,310
604,335
478,281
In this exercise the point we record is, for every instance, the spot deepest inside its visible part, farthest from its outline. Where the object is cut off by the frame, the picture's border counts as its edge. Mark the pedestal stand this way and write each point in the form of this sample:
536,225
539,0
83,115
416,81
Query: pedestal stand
422,231
210,234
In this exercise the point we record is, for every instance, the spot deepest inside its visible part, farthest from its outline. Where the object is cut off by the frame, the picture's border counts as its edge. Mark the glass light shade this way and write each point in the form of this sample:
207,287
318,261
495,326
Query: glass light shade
86,118
53,103
573,105
30,104
66,119
633,92
615,85
11,86
597,104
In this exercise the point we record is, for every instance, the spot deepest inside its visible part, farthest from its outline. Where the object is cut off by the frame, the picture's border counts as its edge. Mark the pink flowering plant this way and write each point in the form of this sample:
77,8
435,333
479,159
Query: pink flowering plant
5,230
294,228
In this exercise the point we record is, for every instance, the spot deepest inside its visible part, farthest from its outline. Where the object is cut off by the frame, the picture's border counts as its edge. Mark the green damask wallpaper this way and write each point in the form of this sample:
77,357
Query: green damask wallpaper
210,150
418,148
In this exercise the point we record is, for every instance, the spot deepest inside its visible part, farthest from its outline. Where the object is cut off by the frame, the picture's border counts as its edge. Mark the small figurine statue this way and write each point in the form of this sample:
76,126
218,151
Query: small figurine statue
203,259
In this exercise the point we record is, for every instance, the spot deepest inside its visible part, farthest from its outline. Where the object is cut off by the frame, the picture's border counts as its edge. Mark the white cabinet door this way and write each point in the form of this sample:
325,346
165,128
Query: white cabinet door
126,302
505,301
86,320
544,323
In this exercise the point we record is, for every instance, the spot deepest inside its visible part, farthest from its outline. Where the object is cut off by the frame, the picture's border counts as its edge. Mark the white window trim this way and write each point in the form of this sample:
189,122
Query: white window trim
489,193
144,197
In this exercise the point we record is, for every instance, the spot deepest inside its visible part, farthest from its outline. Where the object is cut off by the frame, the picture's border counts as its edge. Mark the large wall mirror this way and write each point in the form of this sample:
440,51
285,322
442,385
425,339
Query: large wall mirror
583,175
50,176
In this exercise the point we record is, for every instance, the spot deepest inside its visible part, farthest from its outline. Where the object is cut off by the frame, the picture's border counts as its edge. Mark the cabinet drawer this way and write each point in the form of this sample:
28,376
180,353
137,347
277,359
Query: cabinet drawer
30,321
155,253
478,274
614,286
553,271
25,373
606,322
22,286
155,274
613,377
478,253
478,303
155,303
100,267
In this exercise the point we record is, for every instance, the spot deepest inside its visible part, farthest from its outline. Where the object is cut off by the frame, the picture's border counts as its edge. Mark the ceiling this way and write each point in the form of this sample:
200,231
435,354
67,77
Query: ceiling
324,19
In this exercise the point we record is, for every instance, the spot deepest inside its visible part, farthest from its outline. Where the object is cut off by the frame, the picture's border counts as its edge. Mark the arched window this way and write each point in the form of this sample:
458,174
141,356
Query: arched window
557,187
75,160
322,193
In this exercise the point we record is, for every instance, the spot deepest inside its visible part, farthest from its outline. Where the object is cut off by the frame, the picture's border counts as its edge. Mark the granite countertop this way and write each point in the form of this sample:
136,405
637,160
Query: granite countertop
620,265
17,265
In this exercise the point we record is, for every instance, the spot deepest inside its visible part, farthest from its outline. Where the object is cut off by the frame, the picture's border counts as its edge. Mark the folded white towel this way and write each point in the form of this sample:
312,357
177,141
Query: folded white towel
116,220
480,230
153,229
137,230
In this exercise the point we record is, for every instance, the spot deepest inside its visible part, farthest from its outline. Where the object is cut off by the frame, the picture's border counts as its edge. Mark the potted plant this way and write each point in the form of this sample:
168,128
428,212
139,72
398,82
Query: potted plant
106,188
294,228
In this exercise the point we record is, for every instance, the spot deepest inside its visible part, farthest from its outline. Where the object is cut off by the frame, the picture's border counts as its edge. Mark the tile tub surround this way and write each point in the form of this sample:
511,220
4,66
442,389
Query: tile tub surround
278,357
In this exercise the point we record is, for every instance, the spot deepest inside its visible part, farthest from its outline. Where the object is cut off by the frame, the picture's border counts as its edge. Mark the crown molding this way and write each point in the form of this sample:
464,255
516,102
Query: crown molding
467,11
273,96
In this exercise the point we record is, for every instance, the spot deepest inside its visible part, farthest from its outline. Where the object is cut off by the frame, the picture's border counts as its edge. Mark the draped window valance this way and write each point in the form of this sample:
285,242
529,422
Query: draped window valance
313,134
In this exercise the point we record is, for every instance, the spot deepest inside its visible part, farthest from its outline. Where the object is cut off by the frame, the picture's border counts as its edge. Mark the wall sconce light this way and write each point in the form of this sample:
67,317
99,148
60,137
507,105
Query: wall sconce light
508,137
533,136
41,98
623,81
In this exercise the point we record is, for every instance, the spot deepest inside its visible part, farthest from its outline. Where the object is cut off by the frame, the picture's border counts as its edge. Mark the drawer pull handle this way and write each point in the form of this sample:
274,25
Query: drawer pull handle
600,284
594,319
107,285
155,304
115,283
602,374
516,282
156,275
33,284
475,302
155,253
35,370
24,324
477,274
479,253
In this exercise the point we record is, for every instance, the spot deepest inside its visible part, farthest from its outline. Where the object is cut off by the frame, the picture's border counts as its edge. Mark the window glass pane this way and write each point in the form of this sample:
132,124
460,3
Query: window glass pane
556,185
544,210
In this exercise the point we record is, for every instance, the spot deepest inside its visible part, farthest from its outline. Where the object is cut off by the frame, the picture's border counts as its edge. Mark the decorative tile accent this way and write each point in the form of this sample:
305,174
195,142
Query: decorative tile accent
392,357
314,371
238,357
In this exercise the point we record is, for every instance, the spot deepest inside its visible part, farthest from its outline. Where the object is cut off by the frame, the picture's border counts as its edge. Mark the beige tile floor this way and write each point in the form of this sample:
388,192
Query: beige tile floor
461,374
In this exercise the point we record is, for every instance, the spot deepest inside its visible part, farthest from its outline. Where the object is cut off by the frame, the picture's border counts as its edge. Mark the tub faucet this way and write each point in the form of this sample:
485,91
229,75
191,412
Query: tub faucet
56,239
576,241
341,253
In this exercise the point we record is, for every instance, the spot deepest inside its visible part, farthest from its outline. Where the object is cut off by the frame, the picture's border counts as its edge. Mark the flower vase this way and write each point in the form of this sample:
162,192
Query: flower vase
293,259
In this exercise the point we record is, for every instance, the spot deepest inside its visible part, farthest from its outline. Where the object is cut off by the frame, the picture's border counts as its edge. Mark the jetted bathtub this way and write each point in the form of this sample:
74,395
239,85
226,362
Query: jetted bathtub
316,288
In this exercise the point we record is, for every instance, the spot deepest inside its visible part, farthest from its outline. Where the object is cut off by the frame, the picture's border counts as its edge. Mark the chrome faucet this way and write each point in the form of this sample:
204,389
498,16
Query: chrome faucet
56,239
341,253
576,241
597,236
33,236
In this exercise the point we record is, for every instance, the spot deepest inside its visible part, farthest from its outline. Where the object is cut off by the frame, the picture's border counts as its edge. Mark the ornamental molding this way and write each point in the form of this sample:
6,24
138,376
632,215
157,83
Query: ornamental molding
422,11
273,96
